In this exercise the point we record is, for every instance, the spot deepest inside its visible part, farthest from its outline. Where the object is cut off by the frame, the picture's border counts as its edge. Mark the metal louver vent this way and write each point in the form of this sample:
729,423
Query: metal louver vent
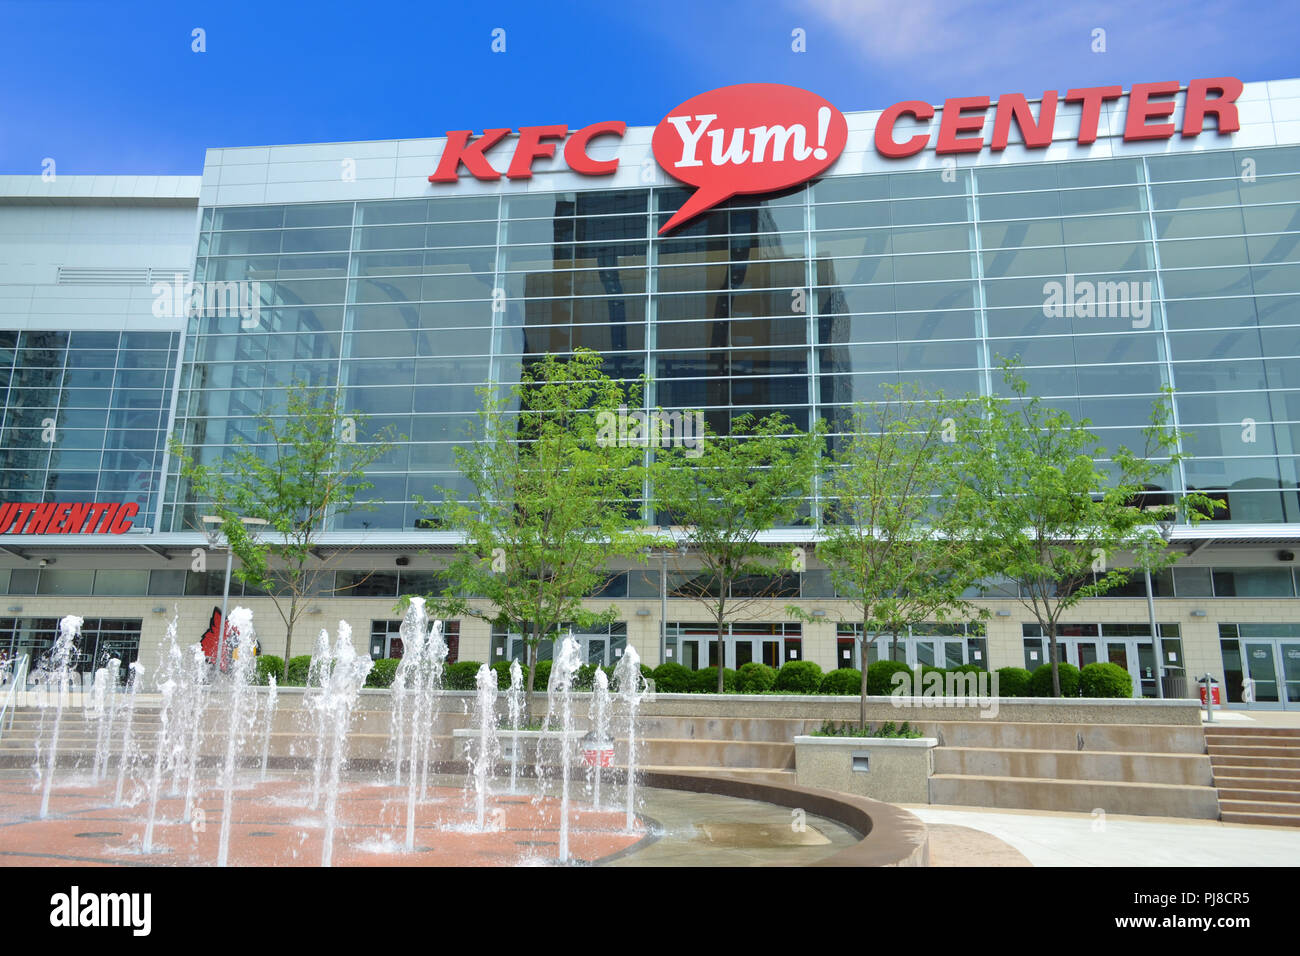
77,275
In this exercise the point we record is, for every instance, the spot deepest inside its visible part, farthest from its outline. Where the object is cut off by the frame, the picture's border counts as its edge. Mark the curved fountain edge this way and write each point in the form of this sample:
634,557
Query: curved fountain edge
891,836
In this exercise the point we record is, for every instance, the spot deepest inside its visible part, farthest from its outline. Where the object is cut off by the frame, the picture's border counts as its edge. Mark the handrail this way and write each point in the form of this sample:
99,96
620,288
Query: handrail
17,681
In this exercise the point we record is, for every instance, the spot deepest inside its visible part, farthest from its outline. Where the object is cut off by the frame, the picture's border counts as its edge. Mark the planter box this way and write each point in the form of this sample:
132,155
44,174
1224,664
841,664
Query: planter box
881,768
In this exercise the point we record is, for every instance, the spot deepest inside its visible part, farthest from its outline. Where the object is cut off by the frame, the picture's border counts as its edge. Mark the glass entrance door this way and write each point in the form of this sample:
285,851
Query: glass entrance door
1273,667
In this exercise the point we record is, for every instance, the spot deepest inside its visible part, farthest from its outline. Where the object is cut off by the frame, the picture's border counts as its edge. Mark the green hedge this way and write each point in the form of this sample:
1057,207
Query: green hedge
755,677
1013,682
880,677
798,677
381,674
268,665
706,681
673,678
1103,679
1040,682
846,682
461,675
298,668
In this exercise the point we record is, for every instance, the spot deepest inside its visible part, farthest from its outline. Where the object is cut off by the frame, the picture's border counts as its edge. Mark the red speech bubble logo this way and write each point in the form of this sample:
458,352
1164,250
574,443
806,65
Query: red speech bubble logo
749,138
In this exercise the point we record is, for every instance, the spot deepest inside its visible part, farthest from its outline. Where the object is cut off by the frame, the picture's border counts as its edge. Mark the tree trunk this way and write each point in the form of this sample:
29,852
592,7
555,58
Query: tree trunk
893,646
722,648
288,638
530,659
863,656
1055,654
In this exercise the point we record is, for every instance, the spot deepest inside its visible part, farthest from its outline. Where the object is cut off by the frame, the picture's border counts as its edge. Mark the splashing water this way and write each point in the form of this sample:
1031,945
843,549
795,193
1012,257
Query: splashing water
341,687
318,672
195,682
106,709
270,719
238,681
600,742
59,672
419,676
515,701
485,716
631,689
134,677
563,670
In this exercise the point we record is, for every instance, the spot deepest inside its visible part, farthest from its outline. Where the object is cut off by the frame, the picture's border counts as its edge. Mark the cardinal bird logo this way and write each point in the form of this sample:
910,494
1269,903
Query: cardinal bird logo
211,638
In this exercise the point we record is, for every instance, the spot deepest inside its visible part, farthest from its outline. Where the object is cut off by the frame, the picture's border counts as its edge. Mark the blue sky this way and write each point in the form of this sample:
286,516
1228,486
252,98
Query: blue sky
114,87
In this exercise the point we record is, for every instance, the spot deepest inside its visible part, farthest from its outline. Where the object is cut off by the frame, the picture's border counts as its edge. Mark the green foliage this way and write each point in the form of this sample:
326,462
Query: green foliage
308,467
880,677
543,677
845,681
1036,494
585,679
706,681
672,678
1013,682
462,675
382,673
888,730
1040,682
1104,679
968,669
268,665
503,674
726,494
542,514
798,677
755,677
296,672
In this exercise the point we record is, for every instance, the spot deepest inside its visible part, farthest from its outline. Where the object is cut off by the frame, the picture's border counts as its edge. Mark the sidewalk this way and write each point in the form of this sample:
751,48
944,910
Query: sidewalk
1079,839
1254,718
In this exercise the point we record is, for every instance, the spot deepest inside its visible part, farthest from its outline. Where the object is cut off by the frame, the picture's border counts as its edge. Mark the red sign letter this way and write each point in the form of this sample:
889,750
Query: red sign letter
1091,97
575,150
458,151
1225,113
122,521
952,123
530,147
1037,135
1140,109
885,143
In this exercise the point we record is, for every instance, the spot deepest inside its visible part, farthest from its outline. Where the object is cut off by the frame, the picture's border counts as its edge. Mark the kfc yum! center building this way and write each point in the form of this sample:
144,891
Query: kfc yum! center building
926,241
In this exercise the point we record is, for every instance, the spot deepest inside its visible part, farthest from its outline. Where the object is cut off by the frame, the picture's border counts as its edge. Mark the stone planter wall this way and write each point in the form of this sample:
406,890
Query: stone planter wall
897,770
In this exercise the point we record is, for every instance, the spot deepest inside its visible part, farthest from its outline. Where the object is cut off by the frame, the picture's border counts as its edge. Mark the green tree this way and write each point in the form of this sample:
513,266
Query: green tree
308,470
549,503
887,540
724,496
1052,514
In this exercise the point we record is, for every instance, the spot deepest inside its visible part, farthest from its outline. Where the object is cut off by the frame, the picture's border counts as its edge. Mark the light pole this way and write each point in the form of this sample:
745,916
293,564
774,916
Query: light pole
213,533
1165,529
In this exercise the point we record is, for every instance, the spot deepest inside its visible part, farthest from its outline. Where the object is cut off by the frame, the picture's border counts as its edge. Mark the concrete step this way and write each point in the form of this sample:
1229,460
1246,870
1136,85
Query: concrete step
1222,730
1247,791
1134,738
718,754
1262,819
1253,740
1271,756
1269,784
1190,769
1272,773
1084,796
1243,805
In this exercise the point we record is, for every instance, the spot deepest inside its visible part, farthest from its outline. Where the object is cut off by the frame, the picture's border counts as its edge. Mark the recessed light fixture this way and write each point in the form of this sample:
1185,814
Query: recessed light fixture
1198,613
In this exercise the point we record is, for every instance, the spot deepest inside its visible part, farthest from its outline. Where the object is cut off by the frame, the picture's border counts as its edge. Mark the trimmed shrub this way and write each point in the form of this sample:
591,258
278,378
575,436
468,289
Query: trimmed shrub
268,665
461,676
298,668
755,677
503,674
880,677
381,675
1013,682
673,678
846,682
1103,679
542,679
798,677
706,681
1040,682
968,669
